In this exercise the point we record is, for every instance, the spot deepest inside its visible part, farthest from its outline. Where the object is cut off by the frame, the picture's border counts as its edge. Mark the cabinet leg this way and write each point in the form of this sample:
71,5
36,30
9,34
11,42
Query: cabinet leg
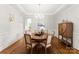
72,43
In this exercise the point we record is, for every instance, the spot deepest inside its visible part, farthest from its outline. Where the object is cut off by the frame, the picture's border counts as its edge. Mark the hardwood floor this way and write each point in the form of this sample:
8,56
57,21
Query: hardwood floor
17,48
58,47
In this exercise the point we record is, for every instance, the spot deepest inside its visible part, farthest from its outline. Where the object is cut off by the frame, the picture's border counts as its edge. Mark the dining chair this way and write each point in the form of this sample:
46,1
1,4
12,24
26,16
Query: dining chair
48,42
29,42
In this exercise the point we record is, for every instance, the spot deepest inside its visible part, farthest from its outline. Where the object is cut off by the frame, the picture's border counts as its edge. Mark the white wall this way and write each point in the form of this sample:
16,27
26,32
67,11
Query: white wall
71,14
10,32
47,20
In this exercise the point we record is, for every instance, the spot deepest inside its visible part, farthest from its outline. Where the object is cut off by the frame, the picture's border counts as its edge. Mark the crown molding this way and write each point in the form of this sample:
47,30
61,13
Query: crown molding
17,8
22,9
64,7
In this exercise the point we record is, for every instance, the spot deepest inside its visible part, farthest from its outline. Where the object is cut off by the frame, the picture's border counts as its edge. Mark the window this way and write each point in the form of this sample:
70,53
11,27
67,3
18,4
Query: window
28,24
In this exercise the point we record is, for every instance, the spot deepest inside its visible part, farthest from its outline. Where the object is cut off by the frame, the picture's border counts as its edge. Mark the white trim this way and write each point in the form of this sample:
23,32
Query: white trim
26,13
10,43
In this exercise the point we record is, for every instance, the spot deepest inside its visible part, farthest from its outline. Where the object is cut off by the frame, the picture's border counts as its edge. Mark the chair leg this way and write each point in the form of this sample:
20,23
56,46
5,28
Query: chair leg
31,50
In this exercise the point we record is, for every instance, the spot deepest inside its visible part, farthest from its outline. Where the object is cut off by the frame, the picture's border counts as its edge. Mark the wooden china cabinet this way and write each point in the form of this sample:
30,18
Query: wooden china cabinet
65,30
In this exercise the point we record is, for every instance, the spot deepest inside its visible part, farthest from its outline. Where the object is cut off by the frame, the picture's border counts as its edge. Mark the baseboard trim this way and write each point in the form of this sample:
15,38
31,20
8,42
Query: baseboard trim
11,44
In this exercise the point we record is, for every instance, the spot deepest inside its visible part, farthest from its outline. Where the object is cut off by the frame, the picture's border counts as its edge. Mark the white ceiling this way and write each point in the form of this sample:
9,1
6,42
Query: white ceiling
46,9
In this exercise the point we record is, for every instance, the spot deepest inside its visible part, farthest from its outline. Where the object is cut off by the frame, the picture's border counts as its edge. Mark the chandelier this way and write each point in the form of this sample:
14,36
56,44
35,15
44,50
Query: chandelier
39,14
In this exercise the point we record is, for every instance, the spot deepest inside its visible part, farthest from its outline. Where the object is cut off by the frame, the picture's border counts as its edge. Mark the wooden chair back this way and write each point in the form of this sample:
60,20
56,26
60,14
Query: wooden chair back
27,38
